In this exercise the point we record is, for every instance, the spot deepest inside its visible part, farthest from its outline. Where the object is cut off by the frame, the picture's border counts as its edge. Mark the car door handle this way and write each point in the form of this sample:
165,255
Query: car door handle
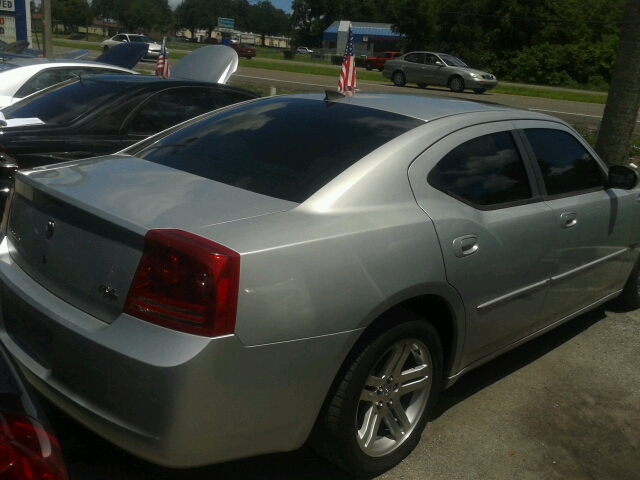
568,219
465,246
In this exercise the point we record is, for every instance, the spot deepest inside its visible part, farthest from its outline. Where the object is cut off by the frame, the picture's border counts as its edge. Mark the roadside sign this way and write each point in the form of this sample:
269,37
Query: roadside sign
223,23
7,29
8,5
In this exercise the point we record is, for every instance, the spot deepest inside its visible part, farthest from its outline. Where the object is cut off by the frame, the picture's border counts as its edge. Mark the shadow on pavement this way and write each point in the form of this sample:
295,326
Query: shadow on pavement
514,360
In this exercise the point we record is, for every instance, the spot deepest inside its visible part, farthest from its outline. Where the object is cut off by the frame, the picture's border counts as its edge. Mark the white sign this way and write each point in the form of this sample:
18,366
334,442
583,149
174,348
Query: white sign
8,5
7,28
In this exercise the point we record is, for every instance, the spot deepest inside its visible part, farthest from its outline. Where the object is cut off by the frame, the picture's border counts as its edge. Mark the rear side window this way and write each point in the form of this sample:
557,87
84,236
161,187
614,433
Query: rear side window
286,148
565,164
415,58
485,172
65,103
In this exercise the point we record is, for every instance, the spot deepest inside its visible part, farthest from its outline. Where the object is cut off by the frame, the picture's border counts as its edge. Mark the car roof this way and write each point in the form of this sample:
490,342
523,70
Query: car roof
420,107
427,108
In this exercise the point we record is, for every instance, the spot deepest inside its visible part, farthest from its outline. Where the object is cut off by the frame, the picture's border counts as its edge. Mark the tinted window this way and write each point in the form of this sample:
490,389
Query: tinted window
286,148
565,164
65,103
148,120
484,171
52,77
415,58
180,104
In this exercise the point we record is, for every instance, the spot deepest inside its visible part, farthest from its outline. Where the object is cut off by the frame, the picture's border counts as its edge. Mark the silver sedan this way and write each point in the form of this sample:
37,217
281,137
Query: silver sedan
439,69
298,269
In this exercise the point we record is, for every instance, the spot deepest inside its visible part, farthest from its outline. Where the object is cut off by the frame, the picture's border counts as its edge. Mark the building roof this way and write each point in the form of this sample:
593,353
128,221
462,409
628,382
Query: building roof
362,30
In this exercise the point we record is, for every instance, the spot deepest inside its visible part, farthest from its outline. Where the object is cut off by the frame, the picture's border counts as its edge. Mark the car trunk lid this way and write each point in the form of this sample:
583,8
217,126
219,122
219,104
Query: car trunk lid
78,229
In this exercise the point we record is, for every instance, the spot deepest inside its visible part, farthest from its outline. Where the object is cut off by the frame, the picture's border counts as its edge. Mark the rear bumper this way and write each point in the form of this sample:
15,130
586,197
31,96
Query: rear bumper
174,399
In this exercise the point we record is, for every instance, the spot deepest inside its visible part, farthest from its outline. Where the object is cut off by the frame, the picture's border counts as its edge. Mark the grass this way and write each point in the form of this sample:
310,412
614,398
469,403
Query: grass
305,65
552,94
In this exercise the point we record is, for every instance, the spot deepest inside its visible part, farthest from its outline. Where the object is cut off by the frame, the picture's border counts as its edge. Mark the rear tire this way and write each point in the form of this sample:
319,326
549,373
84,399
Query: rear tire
456,84
630,296
368,66
105,48
399,80
381,404
479,91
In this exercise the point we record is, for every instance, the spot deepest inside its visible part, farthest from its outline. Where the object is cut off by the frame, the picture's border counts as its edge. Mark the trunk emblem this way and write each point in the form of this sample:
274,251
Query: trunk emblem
108,292
51,227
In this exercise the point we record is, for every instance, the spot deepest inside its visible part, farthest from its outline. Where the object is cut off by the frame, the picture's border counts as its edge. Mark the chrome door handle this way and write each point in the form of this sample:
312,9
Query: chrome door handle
465,246
568,220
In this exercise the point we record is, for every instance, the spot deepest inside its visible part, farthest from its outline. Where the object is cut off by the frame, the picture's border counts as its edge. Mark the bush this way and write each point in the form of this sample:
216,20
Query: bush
288,54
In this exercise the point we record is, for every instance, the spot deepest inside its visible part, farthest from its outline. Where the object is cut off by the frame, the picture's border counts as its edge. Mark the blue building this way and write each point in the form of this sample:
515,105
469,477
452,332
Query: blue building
368,38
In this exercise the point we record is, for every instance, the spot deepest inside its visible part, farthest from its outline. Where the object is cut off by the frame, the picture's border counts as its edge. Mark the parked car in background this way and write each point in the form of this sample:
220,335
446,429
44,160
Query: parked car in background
103,114
438,69
22,77
303,50
243,51
239,277
28,447
378,60
18,49
154,47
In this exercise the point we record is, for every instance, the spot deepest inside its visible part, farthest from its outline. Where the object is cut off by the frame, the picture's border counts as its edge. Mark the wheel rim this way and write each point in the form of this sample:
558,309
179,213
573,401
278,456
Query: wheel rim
455,84
399,78
394,397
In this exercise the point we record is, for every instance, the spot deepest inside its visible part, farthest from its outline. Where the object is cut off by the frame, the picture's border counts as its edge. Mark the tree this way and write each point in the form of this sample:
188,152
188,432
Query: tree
621,111
416,19
268,20
71,13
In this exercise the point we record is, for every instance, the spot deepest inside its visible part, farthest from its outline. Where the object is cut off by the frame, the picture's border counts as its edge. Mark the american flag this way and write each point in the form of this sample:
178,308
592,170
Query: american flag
347,83
162,68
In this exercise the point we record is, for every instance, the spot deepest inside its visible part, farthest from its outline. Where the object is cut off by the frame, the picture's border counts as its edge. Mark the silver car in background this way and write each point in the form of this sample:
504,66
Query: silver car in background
293,268
438,69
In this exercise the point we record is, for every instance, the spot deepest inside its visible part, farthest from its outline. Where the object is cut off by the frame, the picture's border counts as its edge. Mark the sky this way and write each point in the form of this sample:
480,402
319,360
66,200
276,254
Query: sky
282,4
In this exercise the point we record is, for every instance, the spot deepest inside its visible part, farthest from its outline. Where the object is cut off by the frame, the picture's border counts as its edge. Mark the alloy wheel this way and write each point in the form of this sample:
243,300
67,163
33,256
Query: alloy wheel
394,397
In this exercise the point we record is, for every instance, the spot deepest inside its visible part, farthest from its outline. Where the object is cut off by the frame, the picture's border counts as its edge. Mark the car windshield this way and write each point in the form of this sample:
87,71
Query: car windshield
286,148
65,102
140,39
452,61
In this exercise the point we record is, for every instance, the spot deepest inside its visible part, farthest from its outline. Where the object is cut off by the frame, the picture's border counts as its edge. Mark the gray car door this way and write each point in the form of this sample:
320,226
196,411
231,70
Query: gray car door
591,222
495,232
414,68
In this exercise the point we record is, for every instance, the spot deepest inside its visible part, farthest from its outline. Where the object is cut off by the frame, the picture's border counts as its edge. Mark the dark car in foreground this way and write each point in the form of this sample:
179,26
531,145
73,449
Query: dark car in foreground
295,269
437,69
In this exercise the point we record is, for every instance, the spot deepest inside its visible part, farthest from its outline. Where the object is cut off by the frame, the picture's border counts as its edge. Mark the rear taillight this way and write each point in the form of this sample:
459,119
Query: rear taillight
186,283
28,450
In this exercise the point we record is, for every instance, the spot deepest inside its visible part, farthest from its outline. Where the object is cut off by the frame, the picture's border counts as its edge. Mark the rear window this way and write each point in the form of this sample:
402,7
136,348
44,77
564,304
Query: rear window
286,148
65,103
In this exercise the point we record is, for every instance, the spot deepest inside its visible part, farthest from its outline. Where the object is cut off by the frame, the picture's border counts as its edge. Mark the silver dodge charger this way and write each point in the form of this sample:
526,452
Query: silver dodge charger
299,269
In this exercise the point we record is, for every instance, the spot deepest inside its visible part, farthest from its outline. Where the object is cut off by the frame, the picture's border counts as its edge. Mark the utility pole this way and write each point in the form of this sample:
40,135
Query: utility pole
47,39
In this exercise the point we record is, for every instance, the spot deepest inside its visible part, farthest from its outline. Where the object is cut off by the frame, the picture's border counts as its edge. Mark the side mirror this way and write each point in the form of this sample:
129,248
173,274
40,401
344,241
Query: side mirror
439,63
622,177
